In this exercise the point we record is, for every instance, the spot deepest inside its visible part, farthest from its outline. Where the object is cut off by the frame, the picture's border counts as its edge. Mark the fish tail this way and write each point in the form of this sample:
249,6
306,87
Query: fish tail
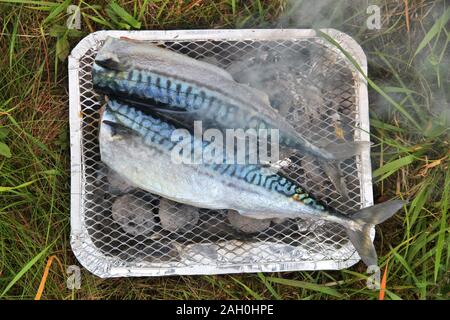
359,235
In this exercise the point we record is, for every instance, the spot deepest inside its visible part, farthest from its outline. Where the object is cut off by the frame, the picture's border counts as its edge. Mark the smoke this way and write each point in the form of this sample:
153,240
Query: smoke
318,14
390,49
395,63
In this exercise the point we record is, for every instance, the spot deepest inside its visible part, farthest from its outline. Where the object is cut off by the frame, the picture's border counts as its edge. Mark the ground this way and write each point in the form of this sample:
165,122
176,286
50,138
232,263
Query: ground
409,77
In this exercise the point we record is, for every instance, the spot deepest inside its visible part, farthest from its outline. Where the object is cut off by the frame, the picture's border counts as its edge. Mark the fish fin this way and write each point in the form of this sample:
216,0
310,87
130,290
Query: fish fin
363,244
255,215
342,151
378,213
366,218
259,93
212,63
118,129
244,213
332,166
333,171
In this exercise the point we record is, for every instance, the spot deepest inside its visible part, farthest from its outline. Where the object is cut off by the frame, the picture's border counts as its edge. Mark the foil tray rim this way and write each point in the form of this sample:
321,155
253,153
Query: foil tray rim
104,268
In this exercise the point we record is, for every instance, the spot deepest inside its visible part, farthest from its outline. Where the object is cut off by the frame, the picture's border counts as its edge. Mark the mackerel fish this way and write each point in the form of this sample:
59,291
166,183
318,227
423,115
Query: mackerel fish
138,146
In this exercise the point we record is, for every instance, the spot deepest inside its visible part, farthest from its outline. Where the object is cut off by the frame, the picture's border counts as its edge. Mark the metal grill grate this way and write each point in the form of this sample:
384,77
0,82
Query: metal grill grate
118,230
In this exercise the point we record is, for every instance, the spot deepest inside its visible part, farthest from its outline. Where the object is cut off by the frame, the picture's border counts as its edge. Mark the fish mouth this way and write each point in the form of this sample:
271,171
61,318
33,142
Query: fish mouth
152,108
110,60
146,105
103,63
110,63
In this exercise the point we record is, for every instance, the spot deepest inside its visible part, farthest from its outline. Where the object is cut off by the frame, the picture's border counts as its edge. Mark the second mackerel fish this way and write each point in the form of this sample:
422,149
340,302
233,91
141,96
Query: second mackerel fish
139,147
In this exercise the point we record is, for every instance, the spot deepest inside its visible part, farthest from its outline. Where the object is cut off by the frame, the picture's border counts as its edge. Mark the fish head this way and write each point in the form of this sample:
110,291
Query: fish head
114,55
109,60
124,53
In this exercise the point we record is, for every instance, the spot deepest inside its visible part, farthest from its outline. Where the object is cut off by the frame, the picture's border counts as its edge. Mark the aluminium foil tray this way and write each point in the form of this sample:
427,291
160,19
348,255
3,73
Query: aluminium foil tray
103,247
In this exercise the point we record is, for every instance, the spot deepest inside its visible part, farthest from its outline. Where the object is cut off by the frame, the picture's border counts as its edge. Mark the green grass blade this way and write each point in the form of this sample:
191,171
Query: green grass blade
56,11
20,186
12,42
420,199
443,225
124,15
385,126
405,264
392,295
306,285
435,29
391,89
233,7
3,132
100,21
4,150
143,10
393,166
27,2
250,291
269,286
23,271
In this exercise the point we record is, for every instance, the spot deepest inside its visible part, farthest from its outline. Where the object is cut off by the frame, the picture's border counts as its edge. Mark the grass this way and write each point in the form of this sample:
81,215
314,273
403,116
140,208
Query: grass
409,70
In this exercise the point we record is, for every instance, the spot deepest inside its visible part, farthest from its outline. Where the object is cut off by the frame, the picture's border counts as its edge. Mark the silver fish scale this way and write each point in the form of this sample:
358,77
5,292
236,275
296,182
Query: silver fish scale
213,245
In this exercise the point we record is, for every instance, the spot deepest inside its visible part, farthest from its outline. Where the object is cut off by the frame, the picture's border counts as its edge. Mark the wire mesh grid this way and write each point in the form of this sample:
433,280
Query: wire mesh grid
313,86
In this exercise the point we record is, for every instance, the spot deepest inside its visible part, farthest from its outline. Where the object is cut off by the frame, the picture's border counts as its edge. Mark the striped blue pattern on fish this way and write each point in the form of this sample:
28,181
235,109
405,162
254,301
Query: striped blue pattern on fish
174,92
